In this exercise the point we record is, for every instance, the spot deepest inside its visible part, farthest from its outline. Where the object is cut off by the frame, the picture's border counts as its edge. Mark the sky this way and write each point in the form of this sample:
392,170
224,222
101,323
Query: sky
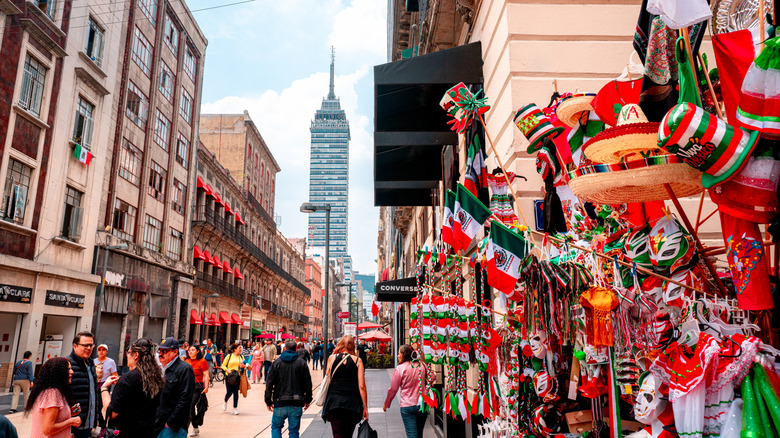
272,58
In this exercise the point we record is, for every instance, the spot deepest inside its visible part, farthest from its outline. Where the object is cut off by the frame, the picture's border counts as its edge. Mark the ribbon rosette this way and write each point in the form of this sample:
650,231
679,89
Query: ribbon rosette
463,105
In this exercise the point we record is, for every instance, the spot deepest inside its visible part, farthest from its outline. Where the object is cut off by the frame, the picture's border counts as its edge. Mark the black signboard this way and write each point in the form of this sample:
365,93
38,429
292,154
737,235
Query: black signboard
64,299
15,294
402,290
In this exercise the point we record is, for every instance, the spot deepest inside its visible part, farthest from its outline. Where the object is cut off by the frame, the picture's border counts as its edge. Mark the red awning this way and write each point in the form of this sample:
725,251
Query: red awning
208,258
236,319
226,267
217,199
197,253
195,318
209,191
237,274
227,208
215,261
224,318
239,220
212,320
199,182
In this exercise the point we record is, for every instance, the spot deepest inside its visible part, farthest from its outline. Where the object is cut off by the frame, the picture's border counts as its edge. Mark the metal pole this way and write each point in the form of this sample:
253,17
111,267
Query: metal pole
203,326
99,294
251,315
327,288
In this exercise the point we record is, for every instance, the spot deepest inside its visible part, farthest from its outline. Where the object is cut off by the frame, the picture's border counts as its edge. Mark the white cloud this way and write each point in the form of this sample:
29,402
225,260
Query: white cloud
360,27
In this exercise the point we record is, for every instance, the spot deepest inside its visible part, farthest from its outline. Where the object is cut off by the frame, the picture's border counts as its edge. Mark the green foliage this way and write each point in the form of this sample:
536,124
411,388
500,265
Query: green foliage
376,360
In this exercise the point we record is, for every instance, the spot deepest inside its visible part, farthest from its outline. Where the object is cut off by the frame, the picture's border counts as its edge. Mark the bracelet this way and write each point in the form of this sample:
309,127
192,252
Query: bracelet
104,390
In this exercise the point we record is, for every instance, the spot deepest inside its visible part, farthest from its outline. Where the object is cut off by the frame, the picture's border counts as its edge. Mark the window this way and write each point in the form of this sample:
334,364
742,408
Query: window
157,177
179,195
137,105
17,184
162,130
175,243
71,220
190,63
130,162
171,36
153,234
142,52
82,126
149,8
166,80
94,45
31,95
124,220
49,7
185,106
182,150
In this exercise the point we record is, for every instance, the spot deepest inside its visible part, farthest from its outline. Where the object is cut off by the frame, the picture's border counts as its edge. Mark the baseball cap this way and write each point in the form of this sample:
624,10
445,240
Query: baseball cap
103,346
169,343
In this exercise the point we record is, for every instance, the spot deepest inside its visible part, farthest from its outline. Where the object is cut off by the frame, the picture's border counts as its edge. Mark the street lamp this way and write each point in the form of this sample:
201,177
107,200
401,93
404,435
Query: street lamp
203,326
99,294
308,207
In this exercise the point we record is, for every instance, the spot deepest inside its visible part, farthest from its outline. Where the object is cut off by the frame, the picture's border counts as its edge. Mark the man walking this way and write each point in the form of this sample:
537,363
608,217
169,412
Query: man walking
363,352
269,351
84,384
22,380
288,391
173,414
315,353
210,354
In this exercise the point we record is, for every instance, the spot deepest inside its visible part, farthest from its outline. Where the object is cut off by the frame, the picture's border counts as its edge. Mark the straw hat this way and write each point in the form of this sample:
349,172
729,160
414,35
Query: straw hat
570,109
639,180
632,135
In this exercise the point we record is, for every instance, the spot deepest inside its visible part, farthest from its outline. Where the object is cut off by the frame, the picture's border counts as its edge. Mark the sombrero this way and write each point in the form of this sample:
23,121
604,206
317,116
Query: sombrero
570,109
632,135
640,180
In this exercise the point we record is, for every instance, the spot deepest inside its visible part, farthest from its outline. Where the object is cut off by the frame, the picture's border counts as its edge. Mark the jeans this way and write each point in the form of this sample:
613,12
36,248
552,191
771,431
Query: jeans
211,371
315,359
167,432
266,368
292,414
414,421
232,390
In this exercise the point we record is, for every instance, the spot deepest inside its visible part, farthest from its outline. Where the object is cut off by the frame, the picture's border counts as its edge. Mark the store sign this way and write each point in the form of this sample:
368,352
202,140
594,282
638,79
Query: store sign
350,328
15,294
402,290
342,315
64,299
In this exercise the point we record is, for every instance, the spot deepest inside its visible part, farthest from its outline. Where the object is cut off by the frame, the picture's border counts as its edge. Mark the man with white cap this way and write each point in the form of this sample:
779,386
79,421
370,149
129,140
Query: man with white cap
105,367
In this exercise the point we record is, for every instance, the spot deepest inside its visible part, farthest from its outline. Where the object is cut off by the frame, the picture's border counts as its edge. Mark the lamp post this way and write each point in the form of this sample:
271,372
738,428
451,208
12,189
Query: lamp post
308,207
203,326
349,285
99,294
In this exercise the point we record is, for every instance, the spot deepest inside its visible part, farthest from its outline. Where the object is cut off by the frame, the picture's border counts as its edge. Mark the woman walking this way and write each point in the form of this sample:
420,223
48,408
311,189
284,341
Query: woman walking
234,362
406,377
347,401
258,357
200,403
50,401
303,353
132,406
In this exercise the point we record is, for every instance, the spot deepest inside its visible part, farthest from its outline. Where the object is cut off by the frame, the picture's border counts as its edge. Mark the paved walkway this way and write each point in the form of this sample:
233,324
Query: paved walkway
254,419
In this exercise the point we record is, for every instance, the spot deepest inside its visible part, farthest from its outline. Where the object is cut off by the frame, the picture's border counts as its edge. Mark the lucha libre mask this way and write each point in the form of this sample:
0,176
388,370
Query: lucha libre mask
538,343
649,404
544,385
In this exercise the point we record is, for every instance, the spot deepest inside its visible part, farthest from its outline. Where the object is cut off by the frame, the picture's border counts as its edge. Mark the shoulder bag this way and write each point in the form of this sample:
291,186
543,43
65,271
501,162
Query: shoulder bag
233,378
319,400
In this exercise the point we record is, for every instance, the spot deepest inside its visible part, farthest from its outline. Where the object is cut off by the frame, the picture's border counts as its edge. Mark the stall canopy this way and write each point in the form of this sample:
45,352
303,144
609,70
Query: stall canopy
375,336
410,128
286,336
368,325
236,319
195,318
224,318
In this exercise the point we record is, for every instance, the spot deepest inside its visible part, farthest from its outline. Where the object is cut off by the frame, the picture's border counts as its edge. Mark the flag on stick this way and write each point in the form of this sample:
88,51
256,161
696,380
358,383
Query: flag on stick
506,249
468,217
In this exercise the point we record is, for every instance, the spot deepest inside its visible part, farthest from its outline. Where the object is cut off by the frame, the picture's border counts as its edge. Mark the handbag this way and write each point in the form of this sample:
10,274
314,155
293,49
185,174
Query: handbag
233,378
244,386
108,431
319,400
365,430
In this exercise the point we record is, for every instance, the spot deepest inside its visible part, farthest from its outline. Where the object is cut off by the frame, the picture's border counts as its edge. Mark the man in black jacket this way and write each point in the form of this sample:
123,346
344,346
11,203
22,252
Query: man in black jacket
173,414
84,384
288,391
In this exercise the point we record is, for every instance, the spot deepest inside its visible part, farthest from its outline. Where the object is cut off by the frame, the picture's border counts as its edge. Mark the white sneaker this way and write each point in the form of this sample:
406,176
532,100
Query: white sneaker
224,406
235,411
195,432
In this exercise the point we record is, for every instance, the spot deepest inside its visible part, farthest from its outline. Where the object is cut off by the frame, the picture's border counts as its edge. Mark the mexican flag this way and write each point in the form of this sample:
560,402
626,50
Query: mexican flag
468,217
476,171
82,154
506,249
446,223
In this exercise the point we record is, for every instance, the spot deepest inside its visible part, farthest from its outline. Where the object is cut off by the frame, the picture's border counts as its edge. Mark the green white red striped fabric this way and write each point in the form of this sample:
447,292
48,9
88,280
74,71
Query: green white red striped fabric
705,142
447,218
759,106
468,217
506,250
535,125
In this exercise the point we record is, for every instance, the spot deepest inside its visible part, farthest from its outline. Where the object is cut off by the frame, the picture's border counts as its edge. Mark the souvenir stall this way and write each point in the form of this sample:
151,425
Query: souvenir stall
617,320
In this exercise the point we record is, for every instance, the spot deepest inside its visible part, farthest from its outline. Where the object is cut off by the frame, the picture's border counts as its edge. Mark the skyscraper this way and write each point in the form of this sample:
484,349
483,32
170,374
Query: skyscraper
329,174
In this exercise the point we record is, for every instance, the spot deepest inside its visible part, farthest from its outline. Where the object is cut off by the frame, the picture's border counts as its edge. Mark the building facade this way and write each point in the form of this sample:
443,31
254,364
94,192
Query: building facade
314,306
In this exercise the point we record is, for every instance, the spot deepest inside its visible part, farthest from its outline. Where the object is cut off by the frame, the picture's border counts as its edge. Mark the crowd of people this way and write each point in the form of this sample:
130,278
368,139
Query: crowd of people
163,391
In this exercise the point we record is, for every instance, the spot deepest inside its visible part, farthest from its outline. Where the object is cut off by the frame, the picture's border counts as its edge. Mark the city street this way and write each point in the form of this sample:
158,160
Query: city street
254,420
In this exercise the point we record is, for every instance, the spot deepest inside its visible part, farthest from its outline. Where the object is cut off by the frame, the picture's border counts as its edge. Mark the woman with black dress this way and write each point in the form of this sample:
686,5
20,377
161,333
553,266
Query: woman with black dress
347,401
132,405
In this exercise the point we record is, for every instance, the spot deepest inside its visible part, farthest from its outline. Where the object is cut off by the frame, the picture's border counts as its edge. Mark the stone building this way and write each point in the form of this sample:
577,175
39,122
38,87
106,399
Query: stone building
59,68
314,305
148,186
235,236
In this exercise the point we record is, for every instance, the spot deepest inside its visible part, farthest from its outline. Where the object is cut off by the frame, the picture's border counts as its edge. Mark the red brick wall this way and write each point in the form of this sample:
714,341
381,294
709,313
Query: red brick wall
9,53
26,137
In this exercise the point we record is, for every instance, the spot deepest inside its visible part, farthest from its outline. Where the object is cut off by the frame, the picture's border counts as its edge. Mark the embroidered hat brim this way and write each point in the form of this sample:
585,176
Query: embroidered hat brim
616,144
744,151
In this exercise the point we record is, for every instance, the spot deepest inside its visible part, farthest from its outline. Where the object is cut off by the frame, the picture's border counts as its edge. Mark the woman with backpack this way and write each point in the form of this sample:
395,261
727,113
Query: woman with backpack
233,365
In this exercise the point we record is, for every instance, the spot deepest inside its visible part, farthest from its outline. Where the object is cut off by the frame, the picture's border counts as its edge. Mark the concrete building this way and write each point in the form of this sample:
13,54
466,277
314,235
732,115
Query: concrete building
148,187
336,295
314,305
366,292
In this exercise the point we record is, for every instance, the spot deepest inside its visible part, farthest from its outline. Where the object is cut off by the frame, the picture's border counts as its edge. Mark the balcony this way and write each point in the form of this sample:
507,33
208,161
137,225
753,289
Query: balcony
266,305
263,214
205,216
219,286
